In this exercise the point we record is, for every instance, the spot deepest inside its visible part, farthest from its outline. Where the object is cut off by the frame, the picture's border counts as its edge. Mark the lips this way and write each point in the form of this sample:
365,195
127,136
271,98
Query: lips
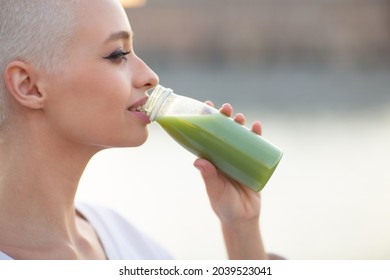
137,106
137,111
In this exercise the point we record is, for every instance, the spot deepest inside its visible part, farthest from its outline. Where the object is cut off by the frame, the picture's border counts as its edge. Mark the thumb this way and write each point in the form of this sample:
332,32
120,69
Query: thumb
205,167
210,175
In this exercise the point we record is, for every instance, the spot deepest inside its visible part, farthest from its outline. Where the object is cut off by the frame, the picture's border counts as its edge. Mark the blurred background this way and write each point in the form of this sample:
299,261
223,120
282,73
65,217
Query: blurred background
317,74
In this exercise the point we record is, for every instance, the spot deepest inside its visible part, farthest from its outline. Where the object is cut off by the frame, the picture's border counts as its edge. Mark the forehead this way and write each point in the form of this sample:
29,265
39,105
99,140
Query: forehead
99,19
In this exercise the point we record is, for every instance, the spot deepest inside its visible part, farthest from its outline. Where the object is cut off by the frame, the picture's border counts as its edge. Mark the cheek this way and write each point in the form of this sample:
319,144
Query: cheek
88,105
95,89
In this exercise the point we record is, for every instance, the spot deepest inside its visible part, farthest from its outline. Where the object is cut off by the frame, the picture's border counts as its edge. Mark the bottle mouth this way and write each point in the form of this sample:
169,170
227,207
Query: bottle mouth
155,101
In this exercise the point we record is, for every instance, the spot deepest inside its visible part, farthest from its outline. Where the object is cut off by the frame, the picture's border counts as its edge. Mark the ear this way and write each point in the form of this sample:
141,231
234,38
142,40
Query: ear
21,82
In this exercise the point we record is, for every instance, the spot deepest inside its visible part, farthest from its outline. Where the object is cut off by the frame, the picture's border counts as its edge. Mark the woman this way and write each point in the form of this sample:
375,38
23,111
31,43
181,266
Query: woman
70,84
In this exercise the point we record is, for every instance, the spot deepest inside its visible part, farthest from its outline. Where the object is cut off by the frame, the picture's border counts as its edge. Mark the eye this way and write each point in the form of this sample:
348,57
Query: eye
117,56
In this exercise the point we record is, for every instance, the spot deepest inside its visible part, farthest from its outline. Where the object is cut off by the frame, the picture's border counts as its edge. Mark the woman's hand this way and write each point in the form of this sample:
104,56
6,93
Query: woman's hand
237,206
230,200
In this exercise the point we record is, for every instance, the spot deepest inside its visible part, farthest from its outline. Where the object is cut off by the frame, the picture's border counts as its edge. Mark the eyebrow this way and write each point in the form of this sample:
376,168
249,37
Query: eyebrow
121,35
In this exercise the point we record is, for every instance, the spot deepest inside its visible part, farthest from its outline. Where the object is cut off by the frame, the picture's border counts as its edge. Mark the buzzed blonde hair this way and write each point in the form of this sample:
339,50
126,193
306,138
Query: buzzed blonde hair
34,31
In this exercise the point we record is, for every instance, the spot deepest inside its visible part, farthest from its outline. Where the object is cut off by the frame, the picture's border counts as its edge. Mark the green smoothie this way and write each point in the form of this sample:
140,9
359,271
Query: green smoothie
232,148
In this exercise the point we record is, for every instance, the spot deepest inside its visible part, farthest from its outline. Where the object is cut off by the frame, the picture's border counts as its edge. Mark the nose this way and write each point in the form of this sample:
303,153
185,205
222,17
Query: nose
145,78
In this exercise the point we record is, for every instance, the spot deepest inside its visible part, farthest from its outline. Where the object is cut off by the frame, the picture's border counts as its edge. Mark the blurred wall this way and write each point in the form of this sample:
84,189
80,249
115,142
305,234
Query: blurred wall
264,32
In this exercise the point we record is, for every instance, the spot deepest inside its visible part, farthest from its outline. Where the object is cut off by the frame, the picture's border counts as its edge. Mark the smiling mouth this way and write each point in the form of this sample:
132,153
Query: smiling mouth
140,114
137,109
138,106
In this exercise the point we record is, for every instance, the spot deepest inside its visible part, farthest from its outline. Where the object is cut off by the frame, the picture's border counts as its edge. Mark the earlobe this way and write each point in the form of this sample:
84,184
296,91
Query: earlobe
21,82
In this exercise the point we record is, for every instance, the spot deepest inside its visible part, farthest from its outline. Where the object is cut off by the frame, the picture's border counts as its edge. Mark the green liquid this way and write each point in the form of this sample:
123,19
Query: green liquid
232,148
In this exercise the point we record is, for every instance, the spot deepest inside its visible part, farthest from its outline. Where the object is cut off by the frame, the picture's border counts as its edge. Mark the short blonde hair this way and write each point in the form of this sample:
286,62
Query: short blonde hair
34,31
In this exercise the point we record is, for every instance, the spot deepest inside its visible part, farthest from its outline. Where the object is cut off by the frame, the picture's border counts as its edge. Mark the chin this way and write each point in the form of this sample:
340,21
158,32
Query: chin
124,141
137,141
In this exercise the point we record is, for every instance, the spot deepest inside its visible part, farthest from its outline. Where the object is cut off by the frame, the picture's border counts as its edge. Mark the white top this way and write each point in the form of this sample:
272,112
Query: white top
120,239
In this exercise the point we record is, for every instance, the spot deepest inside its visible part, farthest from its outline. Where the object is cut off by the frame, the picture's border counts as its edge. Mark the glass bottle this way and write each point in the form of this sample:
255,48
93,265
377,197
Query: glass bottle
203,130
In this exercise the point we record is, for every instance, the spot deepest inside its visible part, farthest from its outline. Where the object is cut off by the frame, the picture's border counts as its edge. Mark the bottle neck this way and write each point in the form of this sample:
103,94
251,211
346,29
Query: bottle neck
155,101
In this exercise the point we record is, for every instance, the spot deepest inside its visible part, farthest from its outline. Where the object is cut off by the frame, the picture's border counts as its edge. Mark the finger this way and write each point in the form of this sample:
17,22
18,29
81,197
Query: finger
240,118
226,109
257,128
205,167
210,177
208,102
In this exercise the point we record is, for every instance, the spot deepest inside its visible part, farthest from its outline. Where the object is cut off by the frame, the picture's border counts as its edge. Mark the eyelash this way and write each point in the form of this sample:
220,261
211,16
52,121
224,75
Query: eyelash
117,56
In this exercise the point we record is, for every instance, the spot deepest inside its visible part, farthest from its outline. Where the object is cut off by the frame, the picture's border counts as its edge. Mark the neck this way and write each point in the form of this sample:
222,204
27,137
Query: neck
38,184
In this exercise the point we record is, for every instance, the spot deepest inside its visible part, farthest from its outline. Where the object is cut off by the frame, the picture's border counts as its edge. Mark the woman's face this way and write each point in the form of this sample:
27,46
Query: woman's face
93,100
